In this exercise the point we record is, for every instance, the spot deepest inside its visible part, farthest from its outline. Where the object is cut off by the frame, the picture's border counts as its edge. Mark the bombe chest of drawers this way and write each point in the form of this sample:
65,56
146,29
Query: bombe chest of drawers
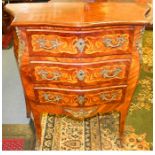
78,59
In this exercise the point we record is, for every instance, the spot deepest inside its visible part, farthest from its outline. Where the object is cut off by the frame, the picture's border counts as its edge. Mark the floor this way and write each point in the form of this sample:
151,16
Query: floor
20,131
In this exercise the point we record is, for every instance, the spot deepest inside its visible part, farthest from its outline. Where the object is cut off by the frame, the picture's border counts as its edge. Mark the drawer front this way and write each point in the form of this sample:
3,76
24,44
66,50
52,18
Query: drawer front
75,98
113,71
77,44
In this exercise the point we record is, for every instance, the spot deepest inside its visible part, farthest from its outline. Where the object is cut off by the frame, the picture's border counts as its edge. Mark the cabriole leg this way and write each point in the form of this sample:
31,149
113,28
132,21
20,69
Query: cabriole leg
37,123
122,118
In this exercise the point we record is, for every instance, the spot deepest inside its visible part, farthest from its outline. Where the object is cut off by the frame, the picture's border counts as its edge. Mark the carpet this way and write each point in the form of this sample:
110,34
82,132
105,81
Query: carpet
12,144
7,40
101,132
18,136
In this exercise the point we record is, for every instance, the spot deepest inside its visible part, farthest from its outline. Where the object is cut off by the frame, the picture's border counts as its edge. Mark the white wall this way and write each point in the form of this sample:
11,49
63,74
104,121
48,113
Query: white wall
13,102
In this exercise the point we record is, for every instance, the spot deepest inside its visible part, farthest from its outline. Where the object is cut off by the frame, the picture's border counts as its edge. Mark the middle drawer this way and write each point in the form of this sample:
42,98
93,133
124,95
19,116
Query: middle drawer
81,74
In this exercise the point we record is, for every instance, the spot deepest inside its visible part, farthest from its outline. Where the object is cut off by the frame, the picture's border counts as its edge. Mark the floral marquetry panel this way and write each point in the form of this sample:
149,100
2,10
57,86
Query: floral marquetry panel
53,44
78,43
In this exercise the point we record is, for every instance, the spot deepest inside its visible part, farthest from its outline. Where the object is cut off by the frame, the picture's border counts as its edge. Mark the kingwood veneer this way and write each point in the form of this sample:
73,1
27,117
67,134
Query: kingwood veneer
78,59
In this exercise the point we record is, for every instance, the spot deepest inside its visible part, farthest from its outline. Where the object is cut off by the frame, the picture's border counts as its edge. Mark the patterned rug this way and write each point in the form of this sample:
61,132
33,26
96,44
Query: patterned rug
13,144
101,132
18,136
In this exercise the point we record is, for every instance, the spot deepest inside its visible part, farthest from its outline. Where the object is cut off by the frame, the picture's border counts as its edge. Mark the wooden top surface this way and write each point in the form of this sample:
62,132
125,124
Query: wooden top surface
77,13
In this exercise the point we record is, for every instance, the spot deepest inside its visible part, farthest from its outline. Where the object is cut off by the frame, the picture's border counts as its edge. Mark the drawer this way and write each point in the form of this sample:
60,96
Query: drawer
79,97
79,43
106,72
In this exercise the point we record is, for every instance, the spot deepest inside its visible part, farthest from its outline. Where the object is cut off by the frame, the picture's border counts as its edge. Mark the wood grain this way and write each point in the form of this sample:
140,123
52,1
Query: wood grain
60,14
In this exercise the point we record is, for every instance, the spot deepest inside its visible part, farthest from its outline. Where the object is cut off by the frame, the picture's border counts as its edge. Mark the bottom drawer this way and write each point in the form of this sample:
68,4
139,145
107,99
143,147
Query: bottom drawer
75,98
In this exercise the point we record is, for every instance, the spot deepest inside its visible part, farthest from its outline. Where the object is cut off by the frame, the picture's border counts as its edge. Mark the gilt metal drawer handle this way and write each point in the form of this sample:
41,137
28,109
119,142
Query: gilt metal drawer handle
109,43
80,75
54,44
52,98
105,97
105,73
81,113
44,75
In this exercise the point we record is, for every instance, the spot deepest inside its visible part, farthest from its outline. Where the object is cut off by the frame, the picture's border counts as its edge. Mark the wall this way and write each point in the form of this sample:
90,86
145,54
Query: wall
13,102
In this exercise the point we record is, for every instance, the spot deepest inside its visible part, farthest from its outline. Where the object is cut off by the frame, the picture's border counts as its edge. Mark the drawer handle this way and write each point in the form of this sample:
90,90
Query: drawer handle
81,113
105,73
81,100
105,97
53,43
44,75
80,44
80,75
109,43
52,98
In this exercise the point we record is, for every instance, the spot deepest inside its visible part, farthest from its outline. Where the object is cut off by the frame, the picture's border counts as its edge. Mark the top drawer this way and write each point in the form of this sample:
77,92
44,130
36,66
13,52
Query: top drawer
79,43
